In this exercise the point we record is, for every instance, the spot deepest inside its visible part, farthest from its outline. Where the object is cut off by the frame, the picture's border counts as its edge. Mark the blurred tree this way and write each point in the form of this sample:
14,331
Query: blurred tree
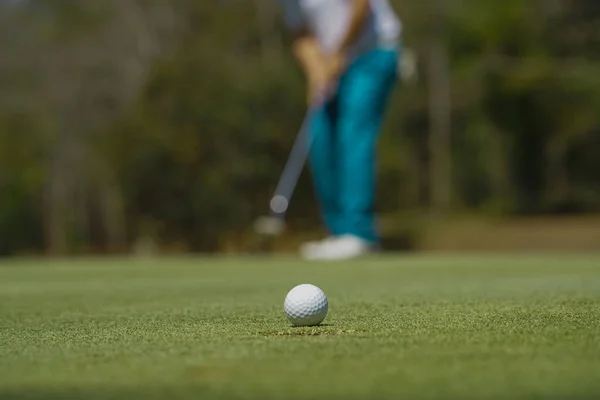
127,118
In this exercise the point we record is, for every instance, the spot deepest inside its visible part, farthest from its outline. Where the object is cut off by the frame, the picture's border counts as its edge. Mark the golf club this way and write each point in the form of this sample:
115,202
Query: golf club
273,224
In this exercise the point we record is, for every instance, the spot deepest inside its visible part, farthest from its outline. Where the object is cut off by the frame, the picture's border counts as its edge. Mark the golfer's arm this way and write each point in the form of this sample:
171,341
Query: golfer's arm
360,14
306,50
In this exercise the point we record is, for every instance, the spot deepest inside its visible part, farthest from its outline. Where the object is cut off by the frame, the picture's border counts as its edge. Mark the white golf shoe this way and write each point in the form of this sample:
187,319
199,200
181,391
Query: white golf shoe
309,250
339,248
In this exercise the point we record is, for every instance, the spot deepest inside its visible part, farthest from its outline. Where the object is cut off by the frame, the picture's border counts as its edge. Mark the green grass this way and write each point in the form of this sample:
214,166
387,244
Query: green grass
399,327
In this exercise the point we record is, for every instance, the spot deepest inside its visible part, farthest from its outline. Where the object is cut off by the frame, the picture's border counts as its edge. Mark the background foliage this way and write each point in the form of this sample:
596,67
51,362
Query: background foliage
127,119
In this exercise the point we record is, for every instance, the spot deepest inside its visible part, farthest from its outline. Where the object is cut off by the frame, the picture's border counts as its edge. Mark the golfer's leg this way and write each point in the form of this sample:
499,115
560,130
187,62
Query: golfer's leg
322,163
363,97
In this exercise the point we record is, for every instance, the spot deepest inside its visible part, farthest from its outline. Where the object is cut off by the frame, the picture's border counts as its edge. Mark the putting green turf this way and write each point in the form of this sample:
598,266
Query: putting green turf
398,327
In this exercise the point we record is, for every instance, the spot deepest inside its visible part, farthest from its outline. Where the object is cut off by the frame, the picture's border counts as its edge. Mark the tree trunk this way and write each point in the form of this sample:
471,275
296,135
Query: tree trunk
56,215
440,120
114,219
271,42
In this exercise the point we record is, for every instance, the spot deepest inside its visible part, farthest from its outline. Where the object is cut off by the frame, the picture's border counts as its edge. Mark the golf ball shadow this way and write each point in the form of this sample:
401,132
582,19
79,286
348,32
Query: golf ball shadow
312,326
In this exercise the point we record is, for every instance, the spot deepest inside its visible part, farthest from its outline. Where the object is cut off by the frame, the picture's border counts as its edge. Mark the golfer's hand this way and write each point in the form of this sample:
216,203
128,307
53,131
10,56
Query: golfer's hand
323,79
334,65
317,82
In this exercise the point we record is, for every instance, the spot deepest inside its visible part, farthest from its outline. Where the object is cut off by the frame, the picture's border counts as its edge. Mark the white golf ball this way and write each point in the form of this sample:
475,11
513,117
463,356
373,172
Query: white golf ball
306,305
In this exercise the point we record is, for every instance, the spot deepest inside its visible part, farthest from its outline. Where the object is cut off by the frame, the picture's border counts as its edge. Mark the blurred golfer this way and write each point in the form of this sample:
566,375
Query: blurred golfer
349,51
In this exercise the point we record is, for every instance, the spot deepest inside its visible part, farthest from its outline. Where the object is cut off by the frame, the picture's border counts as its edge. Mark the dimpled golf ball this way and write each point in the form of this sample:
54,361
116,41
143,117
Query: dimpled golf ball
306,305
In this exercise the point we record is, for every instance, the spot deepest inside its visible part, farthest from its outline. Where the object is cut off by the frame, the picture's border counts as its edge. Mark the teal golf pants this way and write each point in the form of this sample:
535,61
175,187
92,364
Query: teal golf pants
345,135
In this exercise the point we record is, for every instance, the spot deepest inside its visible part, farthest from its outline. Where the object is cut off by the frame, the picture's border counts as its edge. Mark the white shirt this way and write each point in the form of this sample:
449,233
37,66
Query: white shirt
329,20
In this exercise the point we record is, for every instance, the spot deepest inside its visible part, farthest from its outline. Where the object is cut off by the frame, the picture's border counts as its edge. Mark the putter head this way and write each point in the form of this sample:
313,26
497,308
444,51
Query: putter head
269,226
279,204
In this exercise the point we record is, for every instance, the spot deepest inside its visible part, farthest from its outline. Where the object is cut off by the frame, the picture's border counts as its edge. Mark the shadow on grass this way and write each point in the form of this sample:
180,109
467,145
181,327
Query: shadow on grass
101,392
320,330
171,392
